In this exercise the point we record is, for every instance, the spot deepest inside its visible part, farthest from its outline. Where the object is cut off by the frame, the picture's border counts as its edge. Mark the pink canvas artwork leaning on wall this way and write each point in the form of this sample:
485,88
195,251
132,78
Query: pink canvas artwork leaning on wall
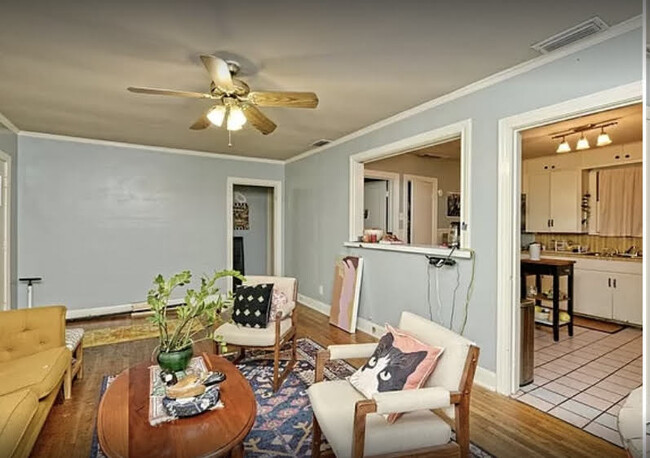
345,295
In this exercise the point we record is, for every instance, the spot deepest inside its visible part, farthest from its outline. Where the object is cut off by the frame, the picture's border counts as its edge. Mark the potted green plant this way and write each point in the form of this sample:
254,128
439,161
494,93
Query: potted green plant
193,319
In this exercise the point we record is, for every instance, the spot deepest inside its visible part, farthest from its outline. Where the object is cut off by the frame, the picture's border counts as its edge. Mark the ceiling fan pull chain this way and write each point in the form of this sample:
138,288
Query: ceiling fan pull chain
229,138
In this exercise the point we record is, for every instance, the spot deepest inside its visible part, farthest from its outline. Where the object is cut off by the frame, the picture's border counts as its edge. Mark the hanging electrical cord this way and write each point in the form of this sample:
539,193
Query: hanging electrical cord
439,314
429,291
453,298
470,290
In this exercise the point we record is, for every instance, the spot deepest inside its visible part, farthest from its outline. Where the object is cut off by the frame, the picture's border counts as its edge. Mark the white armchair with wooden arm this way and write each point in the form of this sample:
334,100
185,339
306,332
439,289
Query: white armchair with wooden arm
272,338
356,426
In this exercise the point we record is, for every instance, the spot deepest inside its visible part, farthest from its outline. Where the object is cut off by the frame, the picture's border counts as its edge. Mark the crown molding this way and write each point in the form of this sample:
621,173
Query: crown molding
614,31
157,149
8,124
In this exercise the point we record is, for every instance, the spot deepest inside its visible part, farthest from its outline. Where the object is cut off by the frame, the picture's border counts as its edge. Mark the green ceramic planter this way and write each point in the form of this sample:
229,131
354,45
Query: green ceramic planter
175,360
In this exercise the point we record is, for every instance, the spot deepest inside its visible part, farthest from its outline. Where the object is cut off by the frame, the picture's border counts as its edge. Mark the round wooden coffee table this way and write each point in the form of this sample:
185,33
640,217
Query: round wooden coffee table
123,425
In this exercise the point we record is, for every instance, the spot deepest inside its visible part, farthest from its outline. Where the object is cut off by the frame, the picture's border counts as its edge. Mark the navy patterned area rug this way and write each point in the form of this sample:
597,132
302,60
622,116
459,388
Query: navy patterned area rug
283,424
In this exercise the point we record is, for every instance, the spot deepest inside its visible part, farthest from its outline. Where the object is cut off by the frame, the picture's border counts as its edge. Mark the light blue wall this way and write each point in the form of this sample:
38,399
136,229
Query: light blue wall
9,144
98,222
317,193
256,237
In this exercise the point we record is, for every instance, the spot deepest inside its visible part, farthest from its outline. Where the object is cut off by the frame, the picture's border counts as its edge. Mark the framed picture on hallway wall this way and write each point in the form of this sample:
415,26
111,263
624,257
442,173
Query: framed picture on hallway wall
345,296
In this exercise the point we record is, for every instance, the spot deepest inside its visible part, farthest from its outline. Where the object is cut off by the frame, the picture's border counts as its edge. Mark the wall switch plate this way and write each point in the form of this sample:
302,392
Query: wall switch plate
320,290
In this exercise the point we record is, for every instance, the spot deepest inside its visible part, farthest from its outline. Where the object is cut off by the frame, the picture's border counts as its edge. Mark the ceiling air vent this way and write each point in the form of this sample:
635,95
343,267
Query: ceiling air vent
321,142
575,33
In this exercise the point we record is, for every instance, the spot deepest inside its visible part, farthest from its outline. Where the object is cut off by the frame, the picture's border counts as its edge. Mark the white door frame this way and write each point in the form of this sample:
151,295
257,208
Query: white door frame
5,188
393,203
462,129
434,203
509,190
231,182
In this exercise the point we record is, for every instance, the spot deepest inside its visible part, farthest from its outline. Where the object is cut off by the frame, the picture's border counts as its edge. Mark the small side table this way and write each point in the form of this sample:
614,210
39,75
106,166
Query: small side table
555,268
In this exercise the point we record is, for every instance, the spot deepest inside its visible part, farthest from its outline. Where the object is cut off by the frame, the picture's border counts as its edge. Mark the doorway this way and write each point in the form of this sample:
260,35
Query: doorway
254,237
421,209
582,375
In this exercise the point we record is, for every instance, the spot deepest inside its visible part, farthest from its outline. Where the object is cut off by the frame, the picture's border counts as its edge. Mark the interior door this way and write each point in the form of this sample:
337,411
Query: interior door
424,215
565,201
538,202
375,204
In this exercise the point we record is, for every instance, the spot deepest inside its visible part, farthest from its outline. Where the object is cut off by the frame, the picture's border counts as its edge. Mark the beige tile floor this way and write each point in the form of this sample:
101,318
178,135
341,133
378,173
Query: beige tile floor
584,379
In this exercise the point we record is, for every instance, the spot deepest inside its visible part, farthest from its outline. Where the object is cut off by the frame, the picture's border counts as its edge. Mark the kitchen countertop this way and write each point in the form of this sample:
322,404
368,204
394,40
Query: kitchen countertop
569,254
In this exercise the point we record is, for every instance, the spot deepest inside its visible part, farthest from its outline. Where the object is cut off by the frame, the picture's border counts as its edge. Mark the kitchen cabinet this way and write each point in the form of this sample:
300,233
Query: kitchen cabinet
553,201
607,289
610,294
608,156
627,298
593,293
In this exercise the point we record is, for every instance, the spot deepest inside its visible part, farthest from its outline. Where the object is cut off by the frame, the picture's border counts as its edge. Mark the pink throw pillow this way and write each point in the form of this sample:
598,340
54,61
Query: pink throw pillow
400,362
278,300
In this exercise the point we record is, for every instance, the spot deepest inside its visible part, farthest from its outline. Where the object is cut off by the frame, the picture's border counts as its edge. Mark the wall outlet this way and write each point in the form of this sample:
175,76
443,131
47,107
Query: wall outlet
321,290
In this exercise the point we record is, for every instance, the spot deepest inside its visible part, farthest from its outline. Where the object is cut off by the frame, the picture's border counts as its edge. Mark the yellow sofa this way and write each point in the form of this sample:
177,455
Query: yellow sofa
34,364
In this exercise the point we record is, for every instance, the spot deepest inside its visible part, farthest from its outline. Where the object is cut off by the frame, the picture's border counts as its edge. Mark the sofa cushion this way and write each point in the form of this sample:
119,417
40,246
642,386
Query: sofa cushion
16,412
25,332
41,372
333,404
239,335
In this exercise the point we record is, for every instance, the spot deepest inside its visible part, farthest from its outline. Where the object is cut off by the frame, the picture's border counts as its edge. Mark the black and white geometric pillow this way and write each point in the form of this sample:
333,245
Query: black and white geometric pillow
252,305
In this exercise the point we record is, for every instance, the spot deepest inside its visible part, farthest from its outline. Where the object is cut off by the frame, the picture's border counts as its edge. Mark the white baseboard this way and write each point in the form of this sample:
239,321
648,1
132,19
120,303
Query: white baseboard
486,378
483,377
73,314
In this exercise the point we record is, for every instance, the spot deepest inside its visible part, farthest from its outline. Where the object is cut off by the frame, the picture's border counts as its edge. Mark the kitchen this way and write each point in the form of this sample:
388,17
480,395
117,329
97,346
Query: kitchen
581,266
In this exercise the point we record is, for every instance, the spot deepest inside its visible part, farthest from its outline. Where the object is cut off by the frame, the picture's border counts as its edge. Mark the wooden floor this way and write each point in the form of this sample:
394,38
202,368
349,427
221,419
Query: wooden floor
501,426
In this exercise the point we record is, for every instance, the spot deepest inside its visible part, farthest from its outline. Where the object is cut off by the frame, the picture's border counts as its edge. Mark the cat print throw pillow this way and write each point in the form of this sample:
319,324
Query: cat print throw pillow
400,362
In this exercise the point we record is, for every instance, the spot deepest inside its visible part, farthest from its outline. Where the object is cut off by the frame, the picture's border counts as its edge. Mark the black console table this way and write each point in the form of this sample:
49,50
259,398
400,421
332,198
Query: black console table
555,268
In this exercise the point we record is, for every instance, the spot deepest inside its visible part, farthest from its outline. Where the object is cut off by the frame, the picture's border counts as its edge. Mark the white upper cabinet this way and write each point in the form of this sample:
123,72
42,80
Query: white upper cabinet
607,156
554,186
553,201
566,194
538,202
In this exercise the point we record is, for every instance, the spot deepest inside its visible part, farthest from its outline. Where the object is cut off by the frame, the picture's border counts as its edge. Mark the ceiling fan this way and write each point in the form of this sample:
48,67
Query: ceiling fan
235,102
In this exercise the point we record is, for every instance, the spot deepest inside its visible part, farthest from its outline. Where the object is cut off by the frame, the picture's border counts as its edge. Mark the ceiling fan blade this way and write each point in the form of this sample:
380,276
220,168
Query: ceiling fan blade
219,72
284,99
258,119
202,123
154,91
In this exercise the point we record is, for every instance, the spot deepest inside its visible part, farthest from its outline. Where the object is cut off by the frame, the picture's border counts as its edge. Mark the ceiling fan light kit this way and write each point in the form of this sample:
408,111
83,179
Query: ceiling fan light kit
216,115
583,143
236,103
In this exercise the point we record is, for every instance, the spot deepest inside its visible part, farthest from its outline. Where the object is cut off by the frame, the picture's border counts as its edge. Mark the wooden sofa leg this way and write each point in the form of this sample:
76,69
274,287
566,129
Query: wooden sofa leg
316,438
80,360
67,382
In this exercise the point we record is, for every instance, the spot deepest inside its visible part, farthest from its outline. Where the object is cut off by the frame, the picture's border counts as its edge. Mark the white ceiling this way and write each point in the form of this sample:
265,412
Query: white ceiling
538,142
65,65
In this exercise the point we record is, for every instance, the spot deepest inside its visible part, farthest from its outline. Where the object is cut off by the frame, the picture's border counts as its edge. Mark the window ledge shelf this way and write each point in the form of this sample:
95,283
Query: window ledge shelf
414,249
